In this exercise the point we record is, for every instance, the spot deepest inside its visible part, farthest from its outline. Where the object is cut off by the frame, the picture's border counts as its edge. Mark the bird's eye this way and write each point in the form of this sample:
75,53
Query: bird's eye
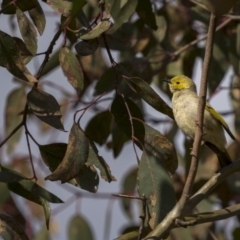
178,82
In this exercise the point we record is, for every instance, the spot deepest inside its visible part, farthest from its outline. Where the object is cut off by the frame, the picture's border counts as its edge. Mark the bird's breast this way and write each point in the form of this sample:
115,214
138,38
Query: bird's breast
185,113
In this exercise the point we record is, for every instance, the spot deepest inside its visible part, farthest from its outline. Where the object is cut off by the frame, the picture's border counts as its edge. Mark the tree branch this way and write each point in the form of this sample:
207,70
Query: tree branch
213,216
167,224
212,183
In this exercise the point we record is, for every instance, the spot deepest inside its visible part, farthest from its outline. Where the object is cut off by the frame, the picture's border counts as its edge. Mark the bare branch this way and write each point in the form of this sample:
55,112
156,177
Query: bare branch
212,183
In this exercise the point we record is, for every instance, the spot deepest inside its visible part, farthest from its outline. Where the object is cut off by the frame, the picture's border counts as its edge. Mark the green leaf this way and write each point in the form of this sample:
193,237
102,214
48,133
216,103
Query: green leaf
24,5
77,6
11,58
99,127
42,233
38,17
72,69
75,157
26,55
137,67
145,12
28,32
85,48
100,28
119,138
236,233
159,146
8,177
128,186
29,189
11,229
15,104
79,228
122,118
154,182
88,178
160,33
106,82
122,39
47,210
149,95
120,12
45,107
99,162
53,154
61,6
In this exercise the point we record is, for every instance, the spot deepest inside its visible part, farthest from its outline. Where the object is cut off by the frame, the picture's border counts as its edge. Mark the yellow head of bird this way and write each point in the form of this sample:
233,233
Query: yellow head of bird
179,83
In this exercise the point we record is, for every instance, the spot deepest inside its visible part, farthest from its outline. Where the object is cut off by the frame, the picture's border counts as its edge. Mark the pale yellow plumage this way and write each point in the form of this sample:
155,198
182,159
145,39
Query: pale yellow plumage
185,103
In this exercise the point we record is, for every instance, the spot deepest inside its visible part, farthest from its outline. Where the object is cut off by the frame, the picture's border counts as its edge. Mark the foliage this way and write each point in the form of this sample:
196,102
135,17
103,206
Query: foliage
152,40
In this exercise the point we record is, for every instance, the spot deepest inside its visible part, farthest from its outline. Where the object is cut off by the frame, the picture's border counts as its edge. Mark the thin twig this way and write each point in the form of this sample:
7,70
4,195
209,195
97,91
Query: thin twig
50,47
30,153
171,56
127,196
132,127
196,41
108,50
11,133
213,216
83,110
48,52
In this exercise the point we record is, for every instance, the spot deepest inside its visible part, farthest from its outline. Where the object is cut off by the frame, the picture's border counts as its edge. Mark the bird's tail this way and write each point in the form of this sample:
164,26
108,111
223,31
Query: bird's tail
223,156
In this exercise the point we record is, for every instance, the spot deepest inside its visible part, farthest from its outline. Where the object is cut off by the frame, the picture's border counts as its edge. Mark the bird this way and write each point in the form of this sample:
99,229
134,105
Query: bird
185,109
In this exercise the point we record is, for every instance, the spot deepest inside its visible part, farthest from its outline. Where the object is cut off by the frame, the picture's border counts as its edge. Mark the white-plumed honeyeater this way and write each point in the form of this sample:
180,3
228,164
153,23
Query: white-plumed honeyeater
185,109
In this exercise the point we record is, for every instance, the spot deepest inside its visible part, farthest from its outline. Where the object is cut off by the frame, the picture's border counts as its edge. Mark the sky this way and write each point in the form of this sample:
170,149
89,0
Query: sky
93,210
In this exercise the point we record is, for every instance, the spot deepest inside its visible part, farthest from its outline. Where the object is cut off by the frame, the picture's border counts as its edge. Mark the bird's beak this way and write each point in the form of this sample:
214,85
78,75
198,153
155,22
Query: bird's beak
166,80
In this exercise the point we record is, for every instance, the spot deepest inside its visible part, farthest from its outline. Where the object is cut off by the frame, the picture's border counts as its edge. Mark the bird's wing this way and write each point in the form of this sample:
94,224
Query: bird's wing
218,117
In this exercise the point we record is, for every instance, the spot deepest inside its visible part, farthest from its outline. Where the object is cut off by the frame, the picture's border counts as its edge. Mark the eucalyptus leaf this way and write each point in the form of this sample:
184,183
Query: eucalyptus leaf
99,127
120,12
38,17
29,189
11,58
100,28
72,69
11,229
79,228
154,181
85,48
75,157
99,162
145,12
24,5
121,108
28,32
15,104
88,178
26,55
45,107
60,6
149,95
